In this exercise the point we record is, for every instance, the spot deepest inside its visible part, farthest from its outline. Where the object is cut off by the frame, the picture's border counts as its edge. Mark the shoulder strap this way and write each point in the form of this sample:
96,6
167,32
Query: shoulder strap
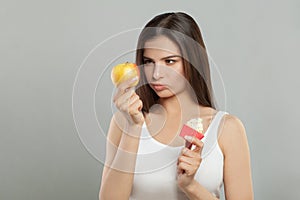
211,136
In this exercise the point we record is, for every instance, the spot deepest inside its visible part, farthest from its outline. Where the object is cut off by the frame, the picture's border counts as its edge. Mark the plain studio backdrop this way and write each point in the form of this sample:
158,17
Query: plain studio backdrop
255,45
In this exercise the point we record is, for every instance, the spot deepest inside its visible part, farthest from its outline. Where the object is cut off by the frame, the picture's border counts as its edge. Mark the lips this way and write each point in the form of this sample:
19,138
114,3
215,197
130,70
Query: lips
158,87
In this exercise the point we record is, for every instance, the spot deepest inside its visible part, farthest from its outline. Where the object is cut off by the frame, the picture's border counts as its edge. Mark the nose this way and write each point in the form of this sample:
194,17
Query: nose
157,72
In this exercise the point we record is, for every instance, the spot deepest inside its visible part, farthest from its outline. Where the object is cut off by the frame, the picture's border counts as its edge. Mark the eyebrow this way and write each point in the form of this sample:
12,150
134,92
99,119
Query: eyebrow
172,56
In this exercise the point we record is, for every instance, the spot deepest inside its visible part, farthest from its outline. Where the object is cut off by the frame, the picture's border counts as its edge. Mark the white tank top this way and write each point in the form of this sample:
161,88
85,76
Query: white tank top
156,166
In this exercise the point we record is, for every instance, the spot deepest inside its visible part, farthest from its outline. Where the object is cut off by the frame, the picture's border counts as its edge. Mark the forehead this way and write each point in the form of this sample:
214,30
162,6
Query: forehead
161,45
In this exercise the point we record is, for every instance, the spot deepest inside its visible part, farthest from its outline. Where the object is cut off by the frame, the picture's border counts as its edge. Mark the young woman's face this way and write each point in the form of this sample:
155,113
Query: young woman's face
163,66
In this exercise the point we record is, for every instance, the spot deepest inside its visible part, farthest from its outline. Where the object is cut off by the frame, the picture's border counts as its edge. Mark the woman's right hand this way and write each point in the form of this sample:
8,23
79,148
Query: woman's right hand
129,103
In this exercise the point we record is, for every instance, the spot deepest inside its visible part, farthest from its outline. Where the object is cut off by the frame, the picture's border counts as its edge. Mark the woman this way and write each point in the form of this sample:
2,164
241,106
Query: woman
146,157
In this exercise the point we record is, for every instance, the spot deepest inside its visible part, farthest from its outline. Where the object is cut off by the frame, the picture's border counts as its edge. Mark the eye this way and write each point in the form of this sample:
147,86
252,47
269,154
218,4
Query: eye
148,62
170,61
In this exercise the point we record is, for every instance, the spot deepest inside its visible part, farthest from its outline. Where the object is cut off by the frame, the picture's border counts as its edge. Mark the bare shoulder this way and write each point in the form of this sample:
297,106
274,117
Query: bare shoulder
232,123
237,165
231,132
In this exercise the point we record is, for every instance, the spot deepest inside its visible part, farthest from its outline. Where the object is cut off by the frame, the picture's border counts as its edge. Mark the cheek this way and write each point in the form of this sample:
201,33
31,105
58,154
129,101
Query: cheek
176,75
178,79
180,70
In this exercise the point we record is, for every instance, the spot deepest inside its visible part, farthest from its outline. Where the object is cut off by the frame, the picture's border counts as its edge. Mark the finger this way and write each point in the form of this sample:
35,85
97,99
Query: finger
122,104
135,107
199,144
123,98
184,167
124,87
188,160
134,101
190,153
134,97
123,94
127,84
124,101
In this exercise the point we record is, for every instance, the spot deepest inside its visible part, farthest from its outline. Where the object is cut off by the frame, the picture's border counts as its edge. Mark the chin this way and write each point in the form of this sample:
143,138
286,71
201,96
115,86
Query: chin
165,94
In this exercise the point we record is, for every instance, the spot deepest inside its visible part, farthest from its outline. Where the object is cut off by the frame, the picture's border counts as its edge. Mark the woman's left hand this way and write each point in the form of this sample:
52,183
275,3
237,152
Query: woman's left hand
188,163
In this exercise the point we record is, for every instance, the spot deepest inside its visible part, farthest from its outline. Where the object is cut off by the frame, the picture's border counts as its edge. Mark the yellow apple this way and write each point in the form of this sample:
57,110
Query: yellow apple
123,72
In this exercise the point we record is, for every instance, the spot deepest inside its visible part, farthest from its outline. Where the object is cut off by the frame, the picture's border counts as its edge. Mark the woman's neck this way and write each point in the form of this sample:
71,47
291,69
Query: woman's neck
179,105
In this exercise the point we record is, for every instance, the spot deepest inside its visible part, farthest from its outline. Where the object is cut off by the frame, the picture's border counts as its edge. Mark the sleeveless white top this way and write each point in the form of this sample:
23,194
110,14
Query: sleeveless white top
156,166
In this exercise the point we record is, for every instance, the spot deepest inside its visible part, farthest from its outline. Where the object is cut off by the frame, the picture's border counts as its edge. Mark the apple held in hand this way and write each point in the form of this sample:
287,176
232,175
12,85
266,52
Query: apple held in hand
123,72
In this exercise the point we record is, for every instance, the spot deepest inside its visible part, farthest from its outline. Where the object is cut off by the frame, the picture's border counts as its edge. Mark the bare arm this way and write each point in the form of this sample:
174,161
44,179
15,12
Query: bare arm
189,161
237,171
122,144
195,191
237,167
117,176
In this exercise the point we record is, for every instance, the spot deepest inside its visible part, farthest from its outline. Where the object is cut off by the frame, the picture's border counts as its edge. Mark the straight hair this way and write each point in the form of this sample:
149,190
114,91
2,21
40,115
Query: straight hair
184,31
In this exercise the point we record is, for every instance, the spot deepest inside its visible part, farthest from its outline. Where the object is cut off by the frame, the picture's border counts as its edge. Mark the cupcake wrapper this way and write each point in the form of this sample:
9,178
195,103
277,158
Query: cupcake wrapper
188,131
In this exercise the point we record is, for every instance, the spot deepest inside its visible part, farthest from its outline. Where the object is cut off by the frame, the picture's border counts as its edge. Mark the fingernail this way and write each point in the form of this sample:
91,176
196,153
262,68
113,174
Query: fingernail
185,150
188,138
134,79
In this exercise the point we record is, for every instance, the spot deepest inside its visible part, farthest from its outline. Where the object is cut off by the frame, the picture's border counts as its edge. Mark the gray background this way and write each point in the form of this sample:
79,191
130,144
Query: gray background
42,44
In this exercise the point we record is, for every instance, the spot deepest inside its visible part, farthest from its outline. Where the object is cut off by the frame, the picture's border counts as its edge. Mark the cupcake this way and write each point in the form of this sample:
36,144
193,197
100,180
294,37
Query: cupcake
193,128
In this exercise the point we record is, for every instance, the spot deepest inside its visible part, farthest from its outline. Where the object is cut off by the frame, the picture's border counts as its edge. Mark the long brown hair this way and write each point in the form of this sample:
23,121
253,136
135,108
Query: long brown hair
184,31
